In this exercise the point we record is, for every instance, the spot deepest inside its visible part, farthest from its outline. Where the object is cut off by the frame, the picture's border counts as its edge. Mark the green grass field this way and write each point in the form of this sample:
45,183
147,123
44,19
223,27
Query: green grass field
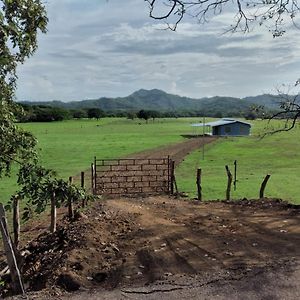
70,146
278,155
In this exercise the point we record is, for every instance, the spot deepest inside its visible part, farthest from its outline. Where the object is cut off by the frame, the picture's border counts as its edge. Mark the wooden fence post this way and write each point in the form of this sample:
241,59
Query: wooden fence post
53,213
229,181
70,202
263,186
172,177
235,174
17,284
82,186
82,180
198,182
16,221
92,179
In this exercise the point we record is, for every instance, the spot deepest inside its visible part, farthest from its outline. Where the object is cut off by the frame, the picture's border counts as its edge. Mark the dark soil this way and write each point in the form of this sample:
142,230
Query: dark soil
136,242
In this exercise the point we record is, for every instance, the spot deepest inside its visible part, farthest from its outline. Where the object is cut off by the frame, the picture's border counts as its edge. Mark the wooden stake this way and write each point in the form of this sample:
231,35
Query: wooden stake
82,180
198,182
235,175
70,202
263,186
16,221
17,284
229,181
53,213
92,179
172,176
82,186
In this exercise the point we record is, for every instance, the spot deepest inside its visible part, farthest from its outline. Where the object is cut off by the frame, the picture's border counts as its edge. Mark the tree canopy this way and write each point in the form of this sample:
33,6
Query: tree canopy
20,21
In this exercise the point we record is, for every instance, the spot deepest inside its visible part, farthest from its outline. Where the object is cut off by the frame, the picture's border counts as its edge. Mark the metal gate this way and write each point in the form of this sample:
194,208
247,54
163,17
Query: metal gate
132,176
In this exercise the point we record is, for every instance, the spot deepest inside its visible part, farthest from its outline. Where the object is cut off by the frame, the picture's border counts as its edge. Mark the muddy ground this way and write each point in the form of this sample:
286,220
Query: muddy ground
132,244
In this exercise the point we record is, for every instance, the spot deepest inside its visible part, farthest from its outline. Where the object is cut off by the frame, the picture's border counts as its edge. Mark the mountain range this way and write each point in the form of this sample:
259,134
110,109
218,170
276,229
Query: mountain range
161,101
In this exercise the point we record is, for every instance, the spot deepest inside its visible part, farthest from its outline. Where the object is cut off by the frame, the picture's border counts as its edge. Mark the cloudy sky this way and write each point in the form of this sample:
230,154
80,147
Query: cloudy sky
97,48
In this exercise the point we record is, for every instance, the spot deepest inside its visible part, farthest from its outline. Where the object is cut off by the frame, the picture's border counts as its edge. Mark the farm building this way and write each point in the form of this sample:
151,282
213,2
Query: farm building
226,127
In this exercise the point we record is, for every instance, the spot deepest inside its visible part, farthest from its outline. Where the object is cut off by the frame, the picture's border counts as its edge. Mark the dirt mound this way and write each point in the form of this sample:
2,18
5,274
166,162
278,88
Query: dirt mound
82,253
267,203
135,242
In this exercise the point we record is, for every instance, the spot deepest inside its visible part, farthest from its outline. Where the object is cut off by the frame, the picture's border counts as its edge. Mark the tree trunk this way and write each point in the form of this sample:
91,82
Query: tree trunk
53,213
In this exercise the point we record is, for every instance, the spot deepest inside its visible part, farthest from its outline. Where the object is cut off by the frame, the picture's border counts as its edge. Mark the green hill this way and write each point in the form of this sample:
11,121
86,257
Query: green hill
161,101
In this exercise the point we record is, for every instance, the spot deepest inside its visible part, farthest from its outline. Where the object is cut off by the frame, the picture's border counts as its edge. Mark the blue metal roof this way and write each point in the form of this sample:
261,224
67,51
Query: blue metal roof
224,121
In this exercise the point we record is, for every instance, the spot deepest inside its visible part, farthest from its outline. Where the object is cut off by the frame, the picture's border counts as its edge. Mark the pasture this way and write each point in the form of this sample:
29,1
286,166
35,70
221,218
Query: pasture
69,147
278,155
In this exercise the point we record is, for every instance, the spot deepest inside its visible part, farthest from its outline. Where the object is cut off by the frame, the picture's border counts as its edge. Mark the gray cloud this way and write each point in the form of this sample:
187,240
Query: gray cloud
98,48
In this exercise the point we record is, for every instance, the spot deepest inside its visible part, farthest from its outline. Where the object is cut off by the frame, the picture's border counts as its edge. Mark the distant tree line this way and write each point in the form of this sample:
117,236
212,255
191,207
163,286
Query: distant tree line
43,113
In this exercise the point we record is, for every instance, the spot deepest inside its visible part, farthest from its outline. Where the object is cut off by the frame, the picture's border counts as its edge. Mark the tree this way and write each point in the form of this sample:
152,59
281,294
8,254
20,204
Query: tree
143,114
131,115
289,109
154,114
248,12
79,114
96,113
20,22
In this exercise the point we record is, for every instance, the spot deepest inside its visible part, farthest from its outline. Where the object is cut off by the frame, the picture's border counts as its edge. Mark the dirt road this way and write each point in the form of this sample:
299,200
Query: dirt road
166,248
178,151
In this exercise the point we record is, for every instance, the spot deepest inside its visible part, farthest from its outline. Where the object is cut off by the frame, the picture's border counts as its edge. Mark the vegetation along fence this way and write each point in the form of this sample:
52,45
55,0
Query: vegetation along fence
132,176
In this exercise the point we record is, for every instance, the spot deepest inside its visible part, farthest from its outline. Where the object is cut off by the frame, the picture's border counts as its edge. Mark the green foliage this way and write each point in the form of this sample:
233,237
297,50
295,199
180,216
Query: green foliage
131,115
143,114
95,113
79,114
38,184
20,21
17,145
43,113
